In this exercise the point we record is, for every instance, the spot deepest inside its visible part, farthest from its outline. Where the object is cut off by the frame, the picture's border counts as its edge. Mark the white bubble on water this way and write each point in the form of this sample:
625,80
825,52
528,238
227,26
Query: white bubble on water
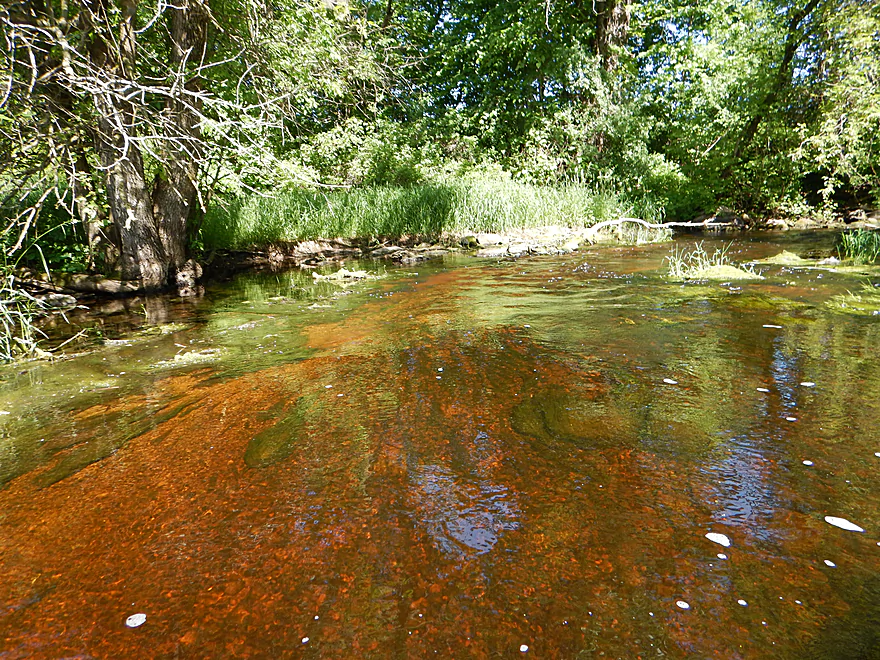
720,539
843,523
136,620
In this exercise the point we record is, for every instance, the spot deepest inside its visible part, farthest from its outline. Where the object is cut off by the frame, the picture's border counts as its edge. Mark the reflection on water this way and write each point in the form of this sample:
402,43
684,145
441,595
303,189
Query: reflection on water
457,460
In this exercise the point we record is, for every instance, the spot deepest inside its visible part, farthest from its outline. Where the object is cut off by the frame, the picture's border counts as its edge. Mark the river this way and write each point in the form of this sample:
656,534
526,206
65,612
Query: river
466,458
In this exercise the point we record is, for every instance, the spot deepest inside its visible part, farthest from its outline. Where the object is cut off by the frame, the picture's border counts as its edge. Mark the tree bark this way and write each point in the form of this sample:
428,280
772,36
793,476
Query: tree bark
175,197
142,258
612,30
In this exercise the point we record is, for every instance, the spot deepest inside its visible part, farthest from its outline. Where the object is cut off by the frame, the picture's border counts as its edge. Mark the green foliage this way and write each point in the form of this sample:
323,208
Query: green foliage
843,145
861,246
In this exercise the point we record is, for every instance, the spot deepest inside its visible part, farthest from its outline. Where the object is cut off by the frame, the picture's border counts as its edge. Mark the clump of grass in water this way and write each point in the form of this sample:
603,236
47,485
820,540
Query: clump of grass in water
861,246
19,337
697,264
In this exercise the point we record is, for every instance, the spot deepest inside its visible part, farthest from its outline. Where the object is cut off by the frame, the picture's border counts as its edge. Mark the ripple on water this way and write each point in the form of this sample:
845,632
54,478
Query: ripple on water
462,517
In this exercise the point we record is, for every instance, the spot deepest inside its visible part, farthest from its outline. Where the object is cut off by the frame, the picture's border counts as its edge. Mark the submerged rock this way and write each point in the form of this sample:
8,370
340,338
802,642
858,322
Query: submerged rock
277,442
342,275
492,252
725,272
562,416
786,258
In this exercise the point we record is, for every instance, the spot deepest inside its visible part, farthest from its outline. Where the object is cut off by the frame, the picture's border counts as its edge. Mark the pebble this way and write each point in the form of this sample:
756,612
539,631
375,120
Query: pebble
683,604
136,620
305,640
843,523
742,602
770,325
808,383
877,454
721,555
720,539
669,381
791,419
523,648
328,387
763,389
830,563
807,462
5,412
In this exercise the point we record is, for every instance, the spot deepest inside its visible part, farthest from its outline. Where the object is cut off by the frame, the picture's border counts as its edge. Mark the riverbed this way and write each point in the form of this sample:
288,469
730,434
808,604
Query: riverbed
469,458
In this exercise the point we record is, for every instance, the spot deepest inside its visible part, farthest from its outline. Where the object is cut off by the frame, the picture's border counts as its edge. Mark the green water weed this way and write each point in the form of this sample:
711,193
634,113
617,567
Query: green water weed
861,246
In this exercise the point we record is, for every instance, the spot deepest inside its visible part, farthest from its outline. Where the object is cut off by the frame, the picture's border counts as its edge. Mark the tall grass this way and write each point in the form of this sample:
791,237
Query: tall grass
19,335
861,246
426,210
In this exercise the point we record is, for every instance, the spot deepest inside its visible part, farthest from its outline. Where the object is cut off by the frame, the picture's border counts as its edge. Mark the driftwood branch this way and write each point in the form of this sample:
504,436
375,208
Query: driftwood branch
593,232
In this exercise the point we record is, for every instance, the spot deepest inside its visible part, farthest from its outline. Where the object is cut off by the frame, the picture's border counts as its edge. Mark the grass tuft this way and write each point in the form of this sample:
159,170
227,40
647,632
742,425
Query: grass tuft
19,336
427,210
861,246
697,264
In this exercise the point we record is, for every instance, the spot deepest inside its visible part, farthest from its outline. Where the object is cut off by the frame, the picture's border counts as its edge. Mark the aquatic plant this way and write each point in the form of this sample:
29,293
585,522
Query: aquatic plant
864,303
697,264
861,246
19,336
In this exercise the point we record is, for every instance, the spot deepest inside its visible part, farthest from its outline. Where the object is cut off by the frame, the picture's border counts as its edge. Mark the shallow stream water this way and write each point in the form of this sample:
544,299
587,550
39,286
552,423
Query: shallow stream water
468,459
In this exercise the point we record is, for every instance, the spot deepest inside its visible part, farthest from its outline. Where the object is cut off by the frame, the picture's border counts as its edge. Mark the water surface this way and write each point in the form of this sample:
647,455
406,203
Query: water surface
464,459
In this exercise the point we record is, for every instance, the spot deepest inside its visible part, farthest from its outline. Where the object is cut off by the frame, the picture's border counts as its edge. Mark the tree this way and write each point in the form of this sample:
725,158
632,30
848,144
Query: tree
136,107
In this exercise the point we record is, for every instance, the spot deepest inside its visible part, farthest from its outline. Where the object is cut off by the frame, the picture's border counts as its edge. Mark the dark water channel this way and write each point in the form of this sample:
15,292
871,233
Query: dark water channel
470,459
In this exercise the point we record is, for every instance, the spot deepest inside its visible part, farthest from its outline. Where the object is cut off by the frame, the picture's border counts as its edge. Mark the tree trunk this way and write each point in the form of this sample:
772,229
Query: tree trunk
612,30
175,199
142,258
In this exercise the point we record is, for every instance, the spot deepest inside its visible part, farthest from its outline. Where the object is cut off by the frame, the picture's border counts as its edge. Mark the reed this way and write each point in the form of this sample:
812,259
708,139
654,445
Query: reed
426,211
